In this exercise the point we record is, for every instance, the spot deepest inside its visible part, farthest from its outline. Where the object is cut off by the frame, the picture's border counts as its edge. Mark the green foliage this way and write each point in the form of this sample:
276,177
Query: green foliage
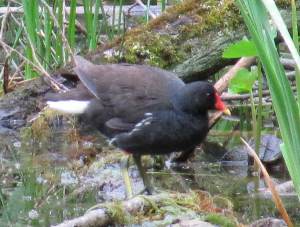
284,103
23,197
242,82
243,48
48,34
31,20
71,27
220,220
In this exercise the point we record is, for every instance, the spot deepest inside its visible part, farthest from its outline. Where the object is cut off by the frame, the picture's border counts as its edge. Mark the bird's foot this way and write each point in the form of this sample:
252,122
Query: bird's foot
149,191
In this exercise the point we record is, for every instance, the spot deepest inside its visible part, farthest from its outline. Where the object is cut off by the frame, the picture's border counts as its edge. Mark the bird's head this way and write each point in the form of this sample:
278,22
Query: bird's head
198,97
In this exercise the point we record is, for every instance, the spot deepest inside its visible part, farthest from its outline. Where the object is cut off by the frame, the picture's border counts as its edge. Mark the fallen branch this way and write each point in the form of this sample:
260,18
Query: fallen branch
231,97
137,205
223,82
288,63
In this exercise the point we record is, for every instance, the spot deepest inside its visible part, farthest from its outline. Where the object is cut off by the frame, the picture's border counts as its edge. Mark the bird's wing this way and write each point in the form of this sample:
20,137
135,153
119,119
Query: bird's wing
117,124
85,72
127,90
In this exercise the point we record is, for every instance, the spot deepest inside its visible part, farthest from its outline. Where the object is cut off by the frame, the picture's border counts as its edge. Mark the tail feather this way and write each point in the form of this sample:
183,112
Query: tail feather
69,106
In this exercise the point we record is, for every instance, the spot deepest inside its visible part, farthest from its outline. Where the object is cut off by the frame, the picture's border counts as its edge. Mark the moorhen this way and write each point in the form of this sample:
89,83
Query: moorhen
142,109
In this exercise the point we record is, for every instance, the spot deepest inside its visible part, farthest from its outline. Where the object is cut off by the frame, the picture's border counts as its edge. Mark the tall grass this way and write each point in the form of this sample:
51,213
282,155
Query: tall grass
256,16
71,26
48,33
31,15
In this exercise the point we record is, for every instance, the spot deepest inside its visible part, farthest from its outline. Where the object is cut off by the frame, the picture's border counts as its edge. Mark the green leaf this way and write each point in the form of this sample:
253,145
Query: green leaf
255,14
242,82
243,48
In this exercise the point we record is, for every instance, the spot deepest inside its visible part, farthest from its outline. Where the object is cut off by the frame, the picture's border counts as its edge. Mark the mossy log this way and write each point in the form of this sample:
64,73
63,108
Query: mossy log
188,38
145,207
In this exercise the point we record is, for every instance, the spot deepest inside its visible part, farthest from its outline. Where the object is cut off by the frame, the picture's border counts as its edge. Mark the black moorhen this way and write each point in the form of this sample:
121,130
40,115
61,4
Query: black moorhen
142,109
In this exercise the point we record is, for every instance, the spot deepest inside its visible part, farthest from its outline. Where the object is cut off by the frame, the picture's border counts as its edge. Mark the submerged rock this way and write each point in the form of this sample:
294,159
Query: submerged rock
269,150
269,222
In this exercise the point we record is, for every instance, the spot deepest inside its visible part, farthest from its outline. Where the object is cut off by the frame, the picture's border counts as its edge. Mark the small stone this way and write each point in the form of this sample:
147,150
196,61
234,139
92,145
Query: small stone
27,198
17,144
41,180
270,222
68,178
33,214
17,165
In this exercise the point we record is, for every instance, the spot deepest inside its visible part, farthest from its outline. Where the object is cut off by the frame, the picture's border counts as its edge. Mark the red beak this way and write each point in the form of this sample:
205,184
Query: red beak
219,105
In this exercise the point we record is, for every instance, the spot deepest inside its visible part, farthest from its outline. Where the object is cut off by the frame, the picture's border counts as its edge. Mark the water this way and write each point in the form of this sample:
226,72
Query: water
46,181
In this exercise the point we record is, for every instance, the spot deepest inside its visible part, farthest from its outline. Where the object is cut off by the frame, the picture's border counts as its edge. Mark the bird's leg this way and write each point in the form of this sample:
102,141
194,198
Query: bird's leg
124,164
138,161
184,155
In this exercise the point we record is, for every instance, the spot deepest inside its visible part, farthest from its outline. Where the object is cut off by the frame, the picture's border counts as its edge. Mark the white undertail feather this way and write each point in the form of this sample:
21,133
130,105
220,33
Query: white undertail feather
69,106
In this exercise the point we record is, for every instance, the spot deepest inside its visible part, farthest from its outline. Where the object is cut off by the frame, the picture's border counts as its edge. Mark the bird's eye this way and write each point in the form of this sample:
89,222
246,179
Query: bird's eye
208,94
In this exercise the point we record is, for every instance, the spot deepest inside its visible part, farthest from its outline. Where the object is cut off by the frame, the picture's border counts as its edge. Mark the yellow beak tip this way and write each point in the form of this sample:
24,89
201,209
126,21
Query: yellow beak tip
227,112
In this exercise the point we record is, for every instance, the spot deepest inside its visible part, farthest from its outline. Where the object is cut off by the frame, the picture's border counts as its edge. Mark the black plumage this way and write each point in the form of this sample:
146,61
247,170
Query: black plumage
142,109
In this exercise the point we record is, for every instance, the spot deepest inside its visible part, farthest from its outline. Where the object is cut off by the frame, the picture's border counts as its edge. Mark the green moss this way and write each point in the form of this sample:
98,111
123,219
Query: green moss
156,44
117,213
221,220
38,136
162,42
150,48
212,15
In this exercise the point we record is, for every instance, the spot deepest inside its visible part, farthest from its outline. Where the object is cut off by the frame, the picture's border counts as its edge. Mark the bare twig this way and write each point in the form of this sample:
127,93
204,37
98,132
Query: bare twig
269,182
3,23
5,76
228,97
288,63
18,71
222,83
54,84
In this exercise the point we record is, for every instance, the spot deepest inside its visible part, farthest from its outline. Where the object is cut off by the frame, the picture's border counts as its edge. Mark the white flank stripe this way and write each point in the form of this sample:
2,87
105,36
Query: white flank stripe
70,106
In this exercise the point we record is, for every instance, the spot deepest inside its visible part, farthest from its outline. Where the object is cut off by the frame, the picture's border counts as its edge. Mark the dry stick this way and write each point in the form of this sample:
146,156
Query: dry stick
18,71
4,19
269,182
228,97
222,83
288,63
5,76
15,20
54,84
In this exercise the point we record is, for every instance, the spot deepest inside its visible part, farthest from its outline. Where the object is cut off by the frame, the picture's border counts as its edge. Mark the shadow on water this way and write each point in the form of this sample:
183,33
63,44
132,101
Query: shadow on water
45,181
